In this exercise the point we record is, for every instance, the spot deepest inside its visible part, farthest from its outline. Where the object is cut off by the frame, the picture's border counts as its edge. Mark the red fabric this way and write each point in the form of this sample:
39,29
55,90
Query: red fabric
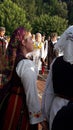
12,114
43,69
3,42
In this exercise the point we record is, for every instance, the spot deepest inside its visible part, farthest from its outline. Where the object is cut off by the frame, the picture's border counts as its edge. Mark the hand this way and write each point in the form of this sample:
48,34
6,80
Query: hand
45,125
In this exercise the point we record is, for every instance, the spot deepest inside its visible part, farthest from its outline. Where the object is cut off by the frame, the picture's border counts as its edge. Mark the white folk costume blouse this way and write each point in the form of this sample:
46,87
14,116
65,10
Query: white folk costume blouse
28,73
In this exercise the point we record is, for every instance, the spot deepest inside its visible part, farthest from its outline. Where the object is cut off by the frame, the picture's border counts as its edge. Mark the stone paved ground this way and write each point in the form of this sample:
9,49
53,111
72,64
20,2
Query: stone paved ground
41,83
41,86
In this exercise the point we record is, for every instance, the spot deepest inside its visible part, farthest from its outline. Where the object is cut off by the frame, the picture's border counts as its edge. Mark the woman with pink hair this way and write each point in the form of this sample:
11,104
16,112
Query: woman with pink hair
21,110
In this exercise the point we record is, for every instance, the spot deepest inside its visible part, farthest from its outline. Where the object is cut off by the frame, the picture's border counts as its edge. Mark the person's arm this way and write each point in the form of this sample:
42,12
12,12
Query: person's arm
27,73
46,49
42,51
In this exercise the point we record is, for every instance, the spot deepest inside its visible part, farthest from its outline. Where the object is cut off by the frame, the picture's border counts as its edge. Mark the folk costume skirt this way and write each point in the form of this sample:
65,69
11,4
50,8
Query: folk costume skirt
14,112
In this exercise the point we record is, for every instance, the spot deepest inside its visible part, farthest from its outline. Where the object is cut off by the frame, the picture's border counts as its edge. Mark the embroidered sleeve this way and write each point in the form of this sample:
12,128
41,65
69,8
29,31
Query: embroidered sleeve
27,73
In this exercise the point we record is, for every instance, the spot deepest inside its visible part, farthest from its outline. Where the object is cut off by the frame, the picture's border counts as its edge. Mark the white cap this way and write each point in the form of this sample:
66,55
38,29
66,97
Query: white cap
65,43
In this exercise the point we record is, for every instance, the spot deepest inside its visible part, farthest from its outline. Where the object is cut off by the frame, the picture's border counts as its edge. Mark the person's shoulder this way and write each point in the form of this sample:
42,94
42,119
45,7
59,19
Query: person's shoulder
58,60
25,63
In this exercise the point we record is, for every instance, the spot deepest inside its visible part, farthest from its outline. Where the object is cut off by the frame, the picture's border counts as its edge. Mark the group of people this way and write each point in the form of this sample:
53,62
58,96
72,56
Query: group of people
43,52
20,108
39,54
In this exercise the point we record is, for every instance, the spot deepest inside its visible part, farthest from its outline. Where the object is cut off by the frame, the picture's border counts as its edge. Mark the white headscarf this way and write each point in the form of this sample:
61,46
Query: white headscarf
65,43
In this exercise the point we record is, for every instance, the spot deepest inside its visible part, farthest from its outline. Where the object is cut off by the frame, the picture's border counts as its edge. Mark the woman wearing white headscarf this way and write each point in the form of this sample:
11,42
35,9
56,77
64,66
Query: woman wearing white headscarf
59,84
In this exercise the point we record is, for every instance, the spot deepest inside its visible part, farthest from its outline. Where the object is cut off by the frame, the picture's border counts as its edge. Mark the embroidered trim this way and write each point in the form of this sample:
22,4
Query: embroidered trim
37,115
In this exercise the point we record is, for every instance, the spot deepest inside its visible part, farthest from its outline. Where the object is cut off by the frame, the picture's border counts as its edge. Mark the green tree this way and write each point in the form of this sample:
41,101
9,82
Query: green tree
12,16
58,8
70,12
53,2
29,7
61,10
47,24
58,24
38,7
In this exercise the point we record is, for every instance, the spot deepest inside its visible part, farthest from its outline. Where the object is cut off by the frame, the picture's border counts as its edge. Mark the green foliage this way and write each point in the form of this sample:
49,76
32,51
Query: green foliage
47,24
36,15
59,8
28,6
12,16
30,9
53,2
70,12
39,7
58,24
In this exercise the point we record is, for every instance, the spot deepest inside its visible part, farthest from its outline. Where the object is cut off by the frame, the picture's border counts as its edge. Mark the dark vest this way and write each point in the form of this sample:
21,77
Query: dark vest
63,77
16,81
15,78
